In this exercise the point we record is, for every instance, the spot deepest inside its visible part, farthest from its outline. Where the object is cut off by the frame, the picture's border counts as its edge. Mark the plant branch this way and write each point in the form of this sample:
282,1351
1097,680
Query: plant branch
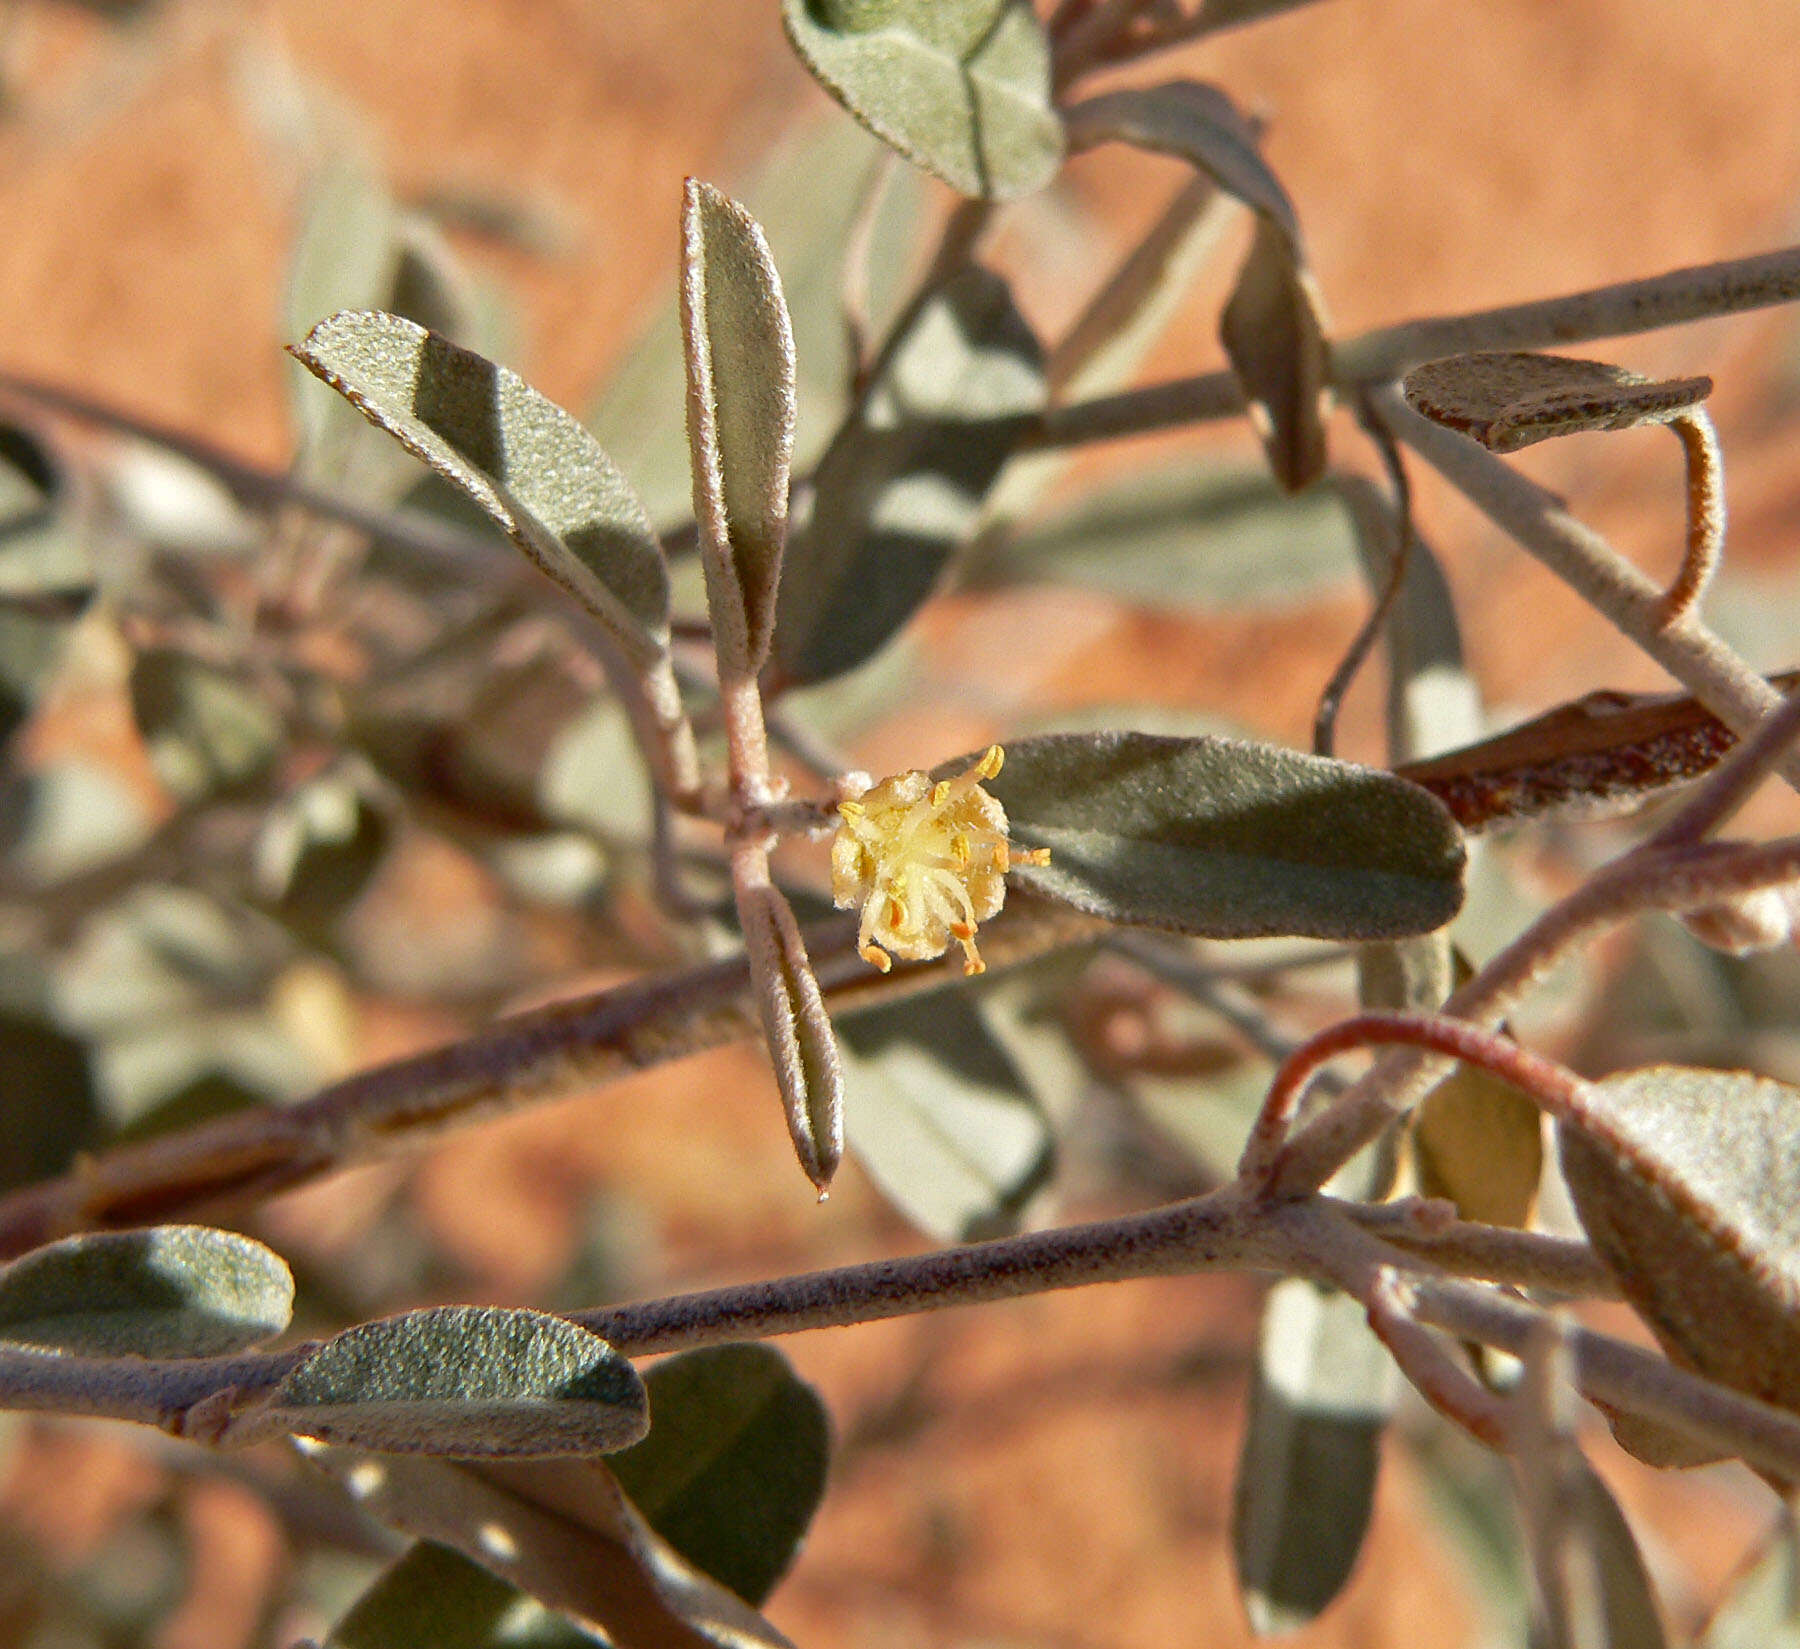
532,1058
1383,354
1494,1253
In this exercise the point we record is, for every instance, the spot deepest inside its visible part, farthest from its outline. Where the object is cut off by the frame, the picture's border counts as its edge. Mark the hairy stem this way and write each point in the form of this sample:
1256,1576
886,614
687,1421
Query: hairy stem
1705,511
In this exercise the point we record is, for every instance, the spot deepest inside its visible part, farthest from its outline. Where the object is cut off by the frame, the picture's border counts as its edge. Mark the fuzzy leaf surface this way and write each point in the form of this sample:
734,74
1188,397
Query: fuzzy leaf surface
526,462
901,487
174,1291
1689,1189
1228,839
734,1466
473,1381
960,87
741,408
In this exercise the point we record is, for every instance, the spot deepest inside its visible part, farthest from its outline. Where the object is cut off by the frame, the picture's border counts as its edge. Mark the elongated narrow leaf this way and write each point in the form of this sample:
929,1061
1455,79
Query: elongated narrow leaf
1274,333
1312,1448
939,1117
960,87
562,1531
740,365
53,1098
801,1047
734,1465
900,489
1187,535
1508,399
1195,123
436,1596
524,460
472,1381
1230,840
1689,1188
176,1291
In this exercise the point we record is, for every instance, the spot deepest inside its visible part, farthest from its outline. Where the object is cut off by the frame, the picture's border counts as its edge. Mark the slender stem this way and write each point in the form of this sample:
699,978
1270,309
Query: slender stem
527,1059
1525,1259
1696,657
1382,355
1424,1359
1672,879
1730,785
1705,512
1622,1375
1555,1088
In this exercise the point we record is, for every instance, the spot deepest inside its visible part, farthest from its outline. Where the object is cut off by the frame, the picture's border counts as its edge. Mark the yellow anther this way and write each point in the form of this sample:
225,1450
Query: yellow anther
876,955
851,810
962,850
940,793
991,761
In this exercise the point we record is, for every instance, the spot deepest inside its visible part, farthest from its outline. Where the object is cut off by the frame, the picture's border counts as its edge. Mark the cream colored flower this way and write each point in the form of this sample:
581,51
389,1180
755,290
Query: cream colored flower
926,861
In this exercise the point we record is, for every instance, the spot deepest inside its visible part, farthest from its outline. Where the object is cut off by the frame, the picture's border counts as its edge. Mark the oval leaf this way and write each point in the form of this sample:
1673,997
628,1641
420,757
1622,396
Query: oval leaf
1230,840
1195,123
562,1531
960,87
176,1291
524,460
939,1117
1508,399
901,487
1325,1387
734,1466
470,1381
740,369
206,730
1688,1186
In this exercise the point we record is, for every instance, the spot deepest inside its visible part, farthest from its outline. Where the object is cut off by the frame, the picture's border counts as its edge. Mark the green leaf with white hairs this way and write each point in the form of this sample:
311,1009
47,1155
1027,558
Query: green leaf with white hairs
561,1531
1687,1182
525,461
470,1381
1230,840
734,1466
960,87
900,489
174,1291
740,372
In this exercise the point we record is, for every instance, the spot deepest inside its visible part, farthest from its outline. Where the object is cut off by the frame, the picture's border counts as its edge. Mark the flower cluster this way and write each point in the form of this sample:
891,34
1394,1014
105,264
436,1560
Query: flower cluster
927,862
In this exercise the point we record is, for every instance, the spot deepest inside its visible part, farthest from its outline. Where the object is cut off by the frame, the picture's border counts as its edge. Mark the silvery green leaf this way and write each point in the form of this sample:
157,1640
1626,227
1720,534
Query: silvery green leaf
1186,534
524,460
436,1596
320,847
470,1381
960,87
900,489
173,1291
1324,1390
939,1117
740,365
806,194
1274,333
1196,123
1688,1185
207,730
562,1531
1230,840
802,1050
734,1466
